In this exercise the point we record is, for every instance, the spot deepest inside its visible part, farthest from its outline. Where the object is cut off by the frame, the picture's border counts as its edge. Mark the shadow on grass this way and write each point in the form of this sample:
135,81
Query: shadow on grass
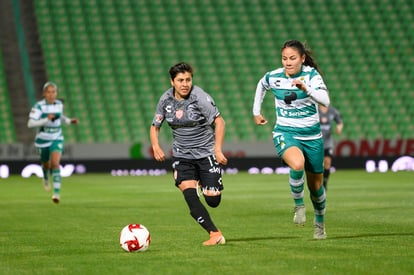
249,239
371,235
261,238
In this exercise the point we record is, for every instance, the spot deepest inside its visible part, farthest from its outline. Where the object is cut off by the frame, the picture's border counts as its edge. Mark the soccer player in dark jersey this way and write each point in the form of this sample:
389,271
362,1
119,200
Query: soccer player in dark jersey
198,134
327,116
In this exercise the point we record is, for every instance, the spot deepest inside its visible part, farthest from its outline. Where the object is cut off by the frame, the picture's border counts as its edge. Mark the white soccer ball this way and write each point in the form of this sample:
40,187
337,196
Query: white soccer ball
134,238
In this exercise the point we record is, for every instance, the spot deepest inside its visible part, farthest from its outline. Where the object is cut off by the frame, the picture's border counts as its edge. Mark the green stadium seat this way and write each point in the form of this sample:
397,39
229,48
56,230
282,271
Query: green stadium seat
8,132
113,46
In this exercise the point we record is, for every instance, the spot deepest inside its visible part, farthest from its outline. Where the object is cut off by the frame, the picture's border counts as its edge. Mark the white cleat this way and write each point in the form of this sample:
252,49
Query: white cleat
300,215
319,231
56,198
46,185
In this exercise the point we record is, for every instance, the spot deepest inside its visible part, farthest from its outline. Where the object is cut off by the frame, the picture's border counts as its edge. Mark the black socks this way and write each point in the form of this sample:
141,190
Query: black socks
197,210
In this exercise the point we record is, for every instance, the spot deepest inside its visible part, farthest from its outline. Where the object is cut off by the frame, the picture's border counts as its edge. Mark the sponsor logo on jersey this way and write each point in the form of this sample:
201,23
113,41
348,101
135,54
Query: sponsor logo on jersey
290,96
216,170
277,83
287,113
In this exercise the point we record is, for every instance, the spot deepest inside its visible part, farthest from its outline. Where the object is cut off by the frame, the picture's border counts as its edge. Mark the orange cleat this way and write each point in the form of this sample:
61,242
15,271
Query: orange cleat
216,238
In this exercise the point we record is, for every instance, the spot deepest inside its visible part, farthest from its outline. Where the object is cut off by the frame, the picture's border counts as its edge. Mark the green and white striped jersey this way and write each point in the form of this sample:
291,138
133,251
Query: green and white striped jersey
50,130
296,110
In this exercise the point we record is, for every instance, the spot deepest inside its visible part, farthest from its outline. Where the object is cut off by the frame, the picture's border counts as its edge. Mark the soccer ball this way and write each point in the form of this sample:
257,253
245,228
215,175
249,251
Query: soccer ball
134,238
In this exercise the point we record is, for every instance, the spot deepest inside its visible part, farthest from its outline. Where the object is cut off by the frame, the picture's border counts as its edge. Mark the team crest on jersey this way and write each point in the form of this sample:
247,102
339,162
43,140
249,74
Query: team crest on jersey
158,118
179,114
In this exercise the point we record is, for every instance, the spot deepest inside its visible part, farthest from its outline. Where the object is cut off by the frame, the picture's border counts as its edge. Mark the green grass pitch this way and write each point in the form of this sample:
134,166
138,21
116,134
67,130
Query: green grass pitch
369,220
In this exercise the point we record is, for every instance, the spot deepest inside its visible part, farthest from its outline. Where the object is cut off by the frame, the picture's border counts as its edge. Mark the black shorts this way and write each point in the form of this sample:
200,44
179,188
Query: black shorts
206,170
328,152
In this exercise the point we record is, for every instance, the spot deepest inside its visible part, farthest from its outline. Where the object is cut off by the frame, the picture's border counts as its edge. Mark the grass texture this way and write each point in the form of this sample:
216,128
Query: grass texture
369,221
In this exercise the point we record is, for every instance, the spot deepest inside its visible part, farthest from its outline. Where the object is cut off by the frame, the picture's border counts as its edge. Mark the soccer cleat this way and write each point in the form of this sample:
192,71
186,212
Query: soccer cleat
46,185
300,215
216,238
56,198
319,231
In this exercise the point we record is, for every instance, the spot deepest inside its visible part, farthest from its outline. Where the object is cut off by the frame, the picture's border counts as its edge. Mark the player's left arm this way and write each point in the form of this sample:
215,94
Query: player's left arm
219,128
339,122
316,89
210,111
68,120
339,128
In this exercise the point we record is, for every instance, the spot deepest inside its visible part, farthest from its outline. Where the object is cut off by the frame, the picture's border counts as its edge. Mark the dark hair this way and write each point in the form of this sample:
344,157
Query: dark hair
301,48
181,67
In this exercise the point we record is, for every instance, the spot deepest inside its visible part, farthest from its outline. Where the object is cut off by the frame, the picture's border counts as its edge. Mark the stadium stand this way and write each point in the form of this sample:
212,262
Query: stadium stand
7,133
111,60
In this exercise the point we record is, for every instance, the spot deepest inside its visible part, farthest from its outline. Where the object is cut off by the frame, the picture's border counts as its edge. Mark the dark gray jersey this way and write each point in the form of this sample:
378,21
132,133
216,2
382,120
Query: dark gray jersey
191,120
326,120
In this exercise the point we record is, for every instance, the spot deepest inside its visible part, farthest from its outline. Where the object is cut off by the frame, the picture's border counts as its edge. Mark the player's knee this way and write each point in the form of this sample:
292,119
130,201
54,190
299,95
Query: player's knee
213,201
297,166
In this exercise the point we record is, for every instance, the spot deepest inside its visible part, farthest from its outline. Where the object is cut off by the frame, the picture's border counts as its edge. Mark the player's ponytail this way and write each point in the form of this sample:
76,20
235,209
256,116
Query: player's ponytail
309,61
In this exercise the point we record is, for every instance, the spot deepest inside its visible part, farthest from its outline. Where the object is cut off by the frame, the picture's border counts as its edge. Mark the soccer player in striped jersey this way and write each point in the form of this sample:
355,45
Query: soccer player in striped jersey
328,115
47,116
198,132
298,88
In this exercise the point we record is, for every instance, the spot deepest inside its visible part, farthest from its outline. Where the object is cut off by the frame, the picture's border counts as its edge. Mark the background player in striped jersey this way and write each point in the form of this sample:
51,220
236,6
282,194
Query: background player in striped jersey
47,115
298,89
198,133
327,116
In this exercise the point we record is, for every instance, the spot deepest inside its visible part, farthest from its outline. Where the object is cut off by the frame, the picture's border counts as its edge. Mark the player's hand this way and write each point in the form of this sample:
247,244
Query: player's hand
299,84
53,117
74,121
159,154
260,120
220,157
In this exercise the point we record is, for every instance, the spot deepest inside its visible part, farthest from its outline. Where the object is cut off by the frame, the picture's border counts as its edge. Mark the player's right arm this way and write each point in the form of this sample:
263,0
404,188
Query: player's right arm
37,123
35,119
155,128
261,90
159,154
